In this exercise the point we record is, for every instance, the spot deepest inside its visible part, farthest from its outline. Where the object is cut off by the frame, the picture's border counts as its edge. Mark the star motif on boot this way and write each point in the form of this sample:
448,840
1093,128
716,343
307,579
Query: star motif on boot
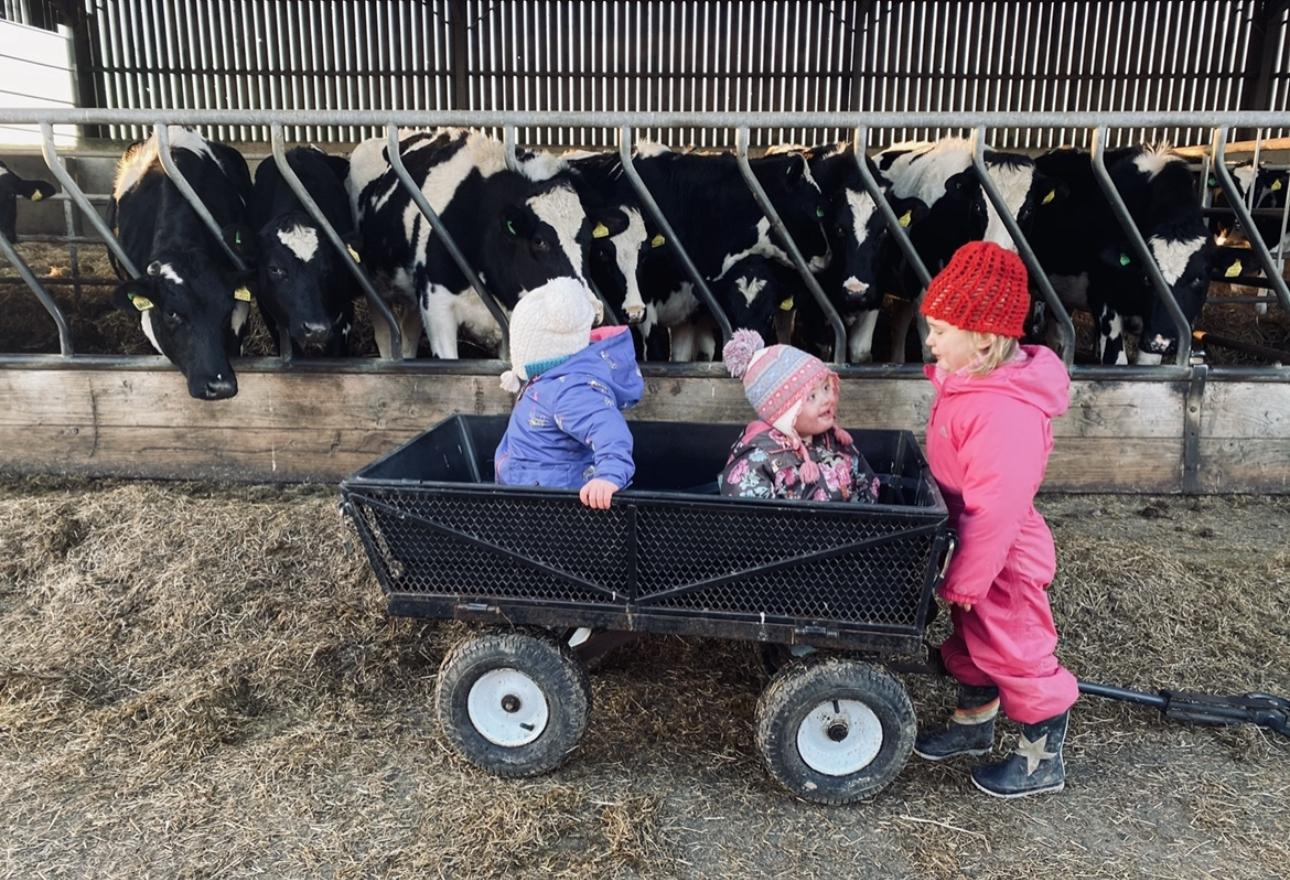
1033,752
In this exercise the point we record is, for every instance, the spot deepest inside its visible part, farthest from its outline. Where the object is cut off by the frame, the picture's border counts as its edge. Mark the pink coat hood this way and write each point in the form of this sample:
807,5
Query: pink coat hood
988,440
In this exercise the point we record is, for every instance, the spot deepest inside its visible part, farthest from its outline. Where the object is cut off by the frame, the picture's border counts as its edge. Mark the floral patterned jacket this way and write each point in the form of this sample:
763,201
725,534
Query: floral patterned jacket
764,464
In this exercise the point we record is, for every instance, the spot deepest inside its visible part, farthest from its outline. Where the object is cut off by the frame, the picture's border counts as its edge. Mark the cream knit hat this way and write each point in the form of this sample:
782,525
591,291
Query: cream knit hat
549,324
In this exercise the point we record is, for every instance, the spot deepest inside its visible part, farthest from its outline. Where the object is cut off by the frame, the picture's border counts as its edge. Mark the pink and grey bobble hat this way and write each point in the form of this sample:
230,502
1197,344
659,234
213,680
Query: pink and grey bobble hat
776,381
549,325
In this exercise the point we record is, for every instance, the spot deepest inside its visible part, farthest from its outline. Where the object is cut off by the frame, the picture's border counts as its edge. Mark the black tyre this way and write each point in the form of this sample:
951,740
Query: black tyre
834,730
513,703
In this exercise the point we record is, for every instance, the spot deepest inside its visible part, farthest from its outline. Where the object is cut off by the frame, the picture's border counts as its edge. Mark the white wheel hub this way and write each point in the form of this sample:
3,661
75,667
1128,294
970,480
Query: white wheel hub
507,707
839,737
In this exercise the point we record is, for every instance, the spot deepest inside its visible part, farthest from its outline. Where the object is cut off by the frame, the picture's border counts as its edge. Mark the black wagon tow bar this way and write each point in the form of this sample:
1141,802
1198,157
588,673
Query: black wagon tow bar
1264,710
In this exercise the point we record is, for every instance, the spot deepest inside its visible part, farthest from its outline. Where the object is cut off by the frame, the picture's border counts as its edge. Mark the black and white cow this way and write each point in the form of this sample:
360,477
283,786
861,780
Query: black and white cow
942,176
865,253
1092,265
302,283
11,187
192,303
1234,260
709,206
517,229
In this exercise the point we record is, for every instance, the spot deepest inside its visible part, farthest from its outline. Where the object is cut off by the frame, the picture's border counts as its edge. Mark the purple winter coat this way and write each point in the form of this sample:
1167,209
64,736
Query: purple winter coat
567,426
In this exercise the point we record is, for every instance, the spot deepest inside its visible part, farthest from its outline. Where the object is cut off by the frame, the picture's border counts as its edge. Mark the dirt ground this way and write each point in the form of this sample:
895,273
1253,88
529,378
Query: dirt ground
201,681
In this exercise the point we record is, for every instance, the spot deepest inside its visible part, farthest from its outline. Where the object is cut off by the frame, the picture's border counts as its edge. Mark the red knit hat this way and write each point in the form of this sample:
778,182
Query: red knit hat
982,288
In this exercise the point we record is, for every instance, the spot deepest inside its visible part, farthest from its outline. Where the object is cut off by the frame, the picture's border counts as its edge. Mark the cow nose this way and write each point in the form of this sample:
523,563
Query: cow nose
635,314
855,286
314,332
220,389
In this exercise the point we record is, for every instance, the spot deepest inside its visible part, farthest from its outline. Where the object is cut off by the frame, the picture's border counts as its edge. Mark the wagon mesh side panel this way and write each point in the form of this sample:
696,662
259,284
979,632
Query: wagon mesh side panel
879,583
420,559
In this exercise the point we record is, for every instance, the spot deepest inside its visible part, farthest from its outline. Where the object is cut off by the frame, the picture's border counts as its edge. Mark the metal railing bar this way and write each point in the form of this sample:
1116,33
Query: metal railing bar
794,254
162,132
55,164
649,119
1162,291
678,247
1252,233
394,151
860,152
360,275
24,271
1065,326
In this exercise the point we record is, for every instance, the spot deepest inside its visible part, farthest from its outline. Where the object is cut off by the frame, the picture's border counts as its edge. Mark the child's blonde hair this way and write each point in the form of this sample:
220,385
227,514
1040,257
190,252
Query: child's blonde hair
994,351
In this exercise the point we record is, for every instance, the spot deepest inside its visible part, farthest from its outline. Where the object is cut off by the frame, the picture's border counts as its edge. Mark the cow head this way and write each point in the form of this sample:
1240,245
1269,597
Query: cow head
296,279
753,291
535,238
1184,263
11,187
797,198
193,313
619,239
861,240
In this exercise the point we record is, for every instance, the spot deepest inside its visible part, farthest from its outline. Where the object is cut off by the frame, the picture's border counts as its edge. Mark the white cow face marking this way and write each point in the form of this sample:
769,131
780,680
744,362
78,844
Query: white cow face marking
1173,256
167,271
1013,182
560,209
749,287
627,251
301,241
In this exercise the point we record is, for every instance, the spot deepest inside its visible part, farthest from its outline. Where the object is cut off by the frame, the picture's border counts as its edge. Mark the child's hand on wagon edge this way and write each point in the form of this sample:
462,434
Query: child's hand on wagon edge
596,493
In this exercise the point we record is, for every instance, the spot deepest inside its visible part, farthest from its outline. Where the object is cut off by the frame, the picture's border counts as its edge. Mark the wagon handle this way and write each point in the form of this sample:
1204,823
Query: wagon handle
951,544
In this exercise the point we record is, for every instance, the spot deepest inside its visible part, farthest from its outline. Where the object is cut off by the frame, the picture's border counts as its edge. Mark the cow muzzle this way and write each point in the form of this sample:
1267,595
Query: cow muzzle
314,332
218,388
634,314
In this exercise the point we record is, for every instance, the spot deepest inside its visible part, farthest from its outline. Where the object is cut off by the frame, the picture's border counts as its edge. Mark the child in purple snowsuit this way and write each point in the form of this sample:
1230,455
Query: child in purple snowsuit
567,430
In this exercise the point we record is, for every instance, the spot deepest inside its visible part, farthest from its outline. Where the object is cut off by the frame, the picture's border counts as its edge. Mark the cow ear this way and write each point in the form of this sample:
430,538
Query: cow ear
339,166
961,183
1051,191
909,210
137,295
517,222
795,168
241,239
35,189
607,223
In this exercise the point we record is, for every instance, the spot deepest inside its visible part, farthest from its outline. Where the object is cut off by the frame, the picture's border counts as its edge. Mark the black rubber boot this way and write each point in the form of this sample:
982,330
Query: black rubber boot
1034,768
956,737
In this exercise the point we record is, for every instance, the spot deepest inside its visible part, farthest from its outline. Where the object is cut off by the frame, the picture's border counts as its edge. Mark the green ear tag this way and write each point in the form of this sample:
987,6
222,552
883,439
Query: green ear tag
237,238
510,227
1213,181
1124,260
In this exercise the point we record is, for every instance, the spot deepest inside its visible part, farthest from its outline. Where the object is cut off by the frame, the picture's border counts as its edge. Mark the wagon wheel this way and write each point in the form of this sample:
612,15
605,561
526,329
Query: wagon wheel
512,703
834,730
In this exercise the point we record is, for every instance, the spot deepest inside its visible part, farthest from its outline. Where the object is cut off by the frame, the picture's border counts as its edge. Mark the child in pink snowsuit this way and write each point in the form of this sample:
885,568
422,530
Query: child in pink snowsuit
988,440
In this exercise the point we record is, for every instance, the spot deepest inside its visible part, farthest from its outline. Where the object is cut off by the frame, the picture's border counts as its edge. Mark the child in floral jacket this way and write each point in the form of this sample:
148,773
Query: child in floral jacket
795,450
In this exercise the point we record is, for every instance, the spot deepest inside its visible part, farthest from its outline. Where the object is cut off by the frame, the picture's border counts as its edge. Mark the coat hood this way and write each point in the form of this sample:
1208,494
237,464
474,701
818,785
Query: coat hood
611,360
1036,376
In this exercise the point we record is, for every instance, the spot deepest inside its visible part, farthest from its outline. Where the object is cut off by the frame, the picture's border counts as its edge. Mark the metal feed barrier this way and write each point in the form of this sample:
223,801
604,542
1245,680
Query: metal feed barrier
627,124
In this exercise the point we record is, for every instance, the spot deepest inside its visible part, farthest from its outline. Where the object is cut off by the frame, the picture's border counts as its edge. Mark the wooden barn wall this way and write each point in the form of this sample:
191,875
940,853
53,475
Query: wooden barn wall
320,425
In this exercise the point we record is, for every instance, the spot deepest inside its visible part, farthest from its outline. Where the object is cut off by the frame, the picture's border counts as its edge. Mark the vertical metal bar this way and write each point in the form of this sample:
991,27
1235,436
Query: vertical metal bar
1162,291
656,213
777,226
24,272
73,191
186,190
346,256
860,144
394,150
1259,246
1037,274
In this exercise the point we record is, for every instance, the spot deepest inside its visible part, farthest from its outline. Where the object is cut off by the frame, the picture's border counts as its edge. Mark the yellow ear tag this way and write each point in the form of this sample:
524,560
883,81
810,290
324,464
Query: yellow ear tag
601,231
906,217
142,303
353,253
1052,194
38,195
657,241
1276,185
242,295
1233,270
786,305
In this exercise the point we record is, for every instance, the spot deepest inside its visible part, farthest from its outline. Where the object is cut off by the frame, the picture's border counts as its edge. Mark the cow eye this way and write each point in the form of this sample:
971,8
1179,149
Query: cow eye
277,273
841,230
541,245
603,255
819,213
173,317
